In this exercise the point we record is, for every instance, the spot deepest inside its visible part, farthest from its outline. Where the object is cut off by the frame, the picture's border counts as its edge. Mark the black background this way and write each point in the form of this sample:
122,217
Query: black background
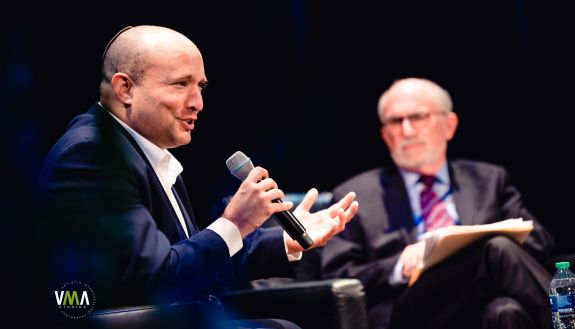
294,85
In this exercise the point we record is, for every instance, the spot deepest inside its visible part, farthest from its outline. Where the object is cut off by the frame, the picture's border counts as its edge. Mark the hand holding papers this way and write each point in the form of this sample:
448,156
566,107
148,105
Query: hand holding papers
446,241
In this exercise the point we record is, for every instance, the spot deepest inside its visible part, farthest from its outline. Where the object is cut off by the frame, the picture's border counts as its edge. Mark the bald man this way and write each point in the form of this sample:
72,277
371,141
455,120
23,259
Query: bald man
492,284
120,212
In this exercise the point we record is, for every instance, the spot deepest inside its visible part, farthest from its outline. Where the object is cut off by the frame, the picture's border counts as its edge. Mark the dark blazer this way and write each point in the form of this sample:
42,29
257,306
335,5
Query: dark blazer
370,246
111,224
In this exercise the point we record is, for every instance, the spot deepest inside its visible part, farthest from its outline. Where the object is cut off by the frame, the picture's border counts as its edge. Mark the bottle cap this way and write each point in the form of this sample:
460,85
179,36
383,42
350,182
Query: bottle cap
561,265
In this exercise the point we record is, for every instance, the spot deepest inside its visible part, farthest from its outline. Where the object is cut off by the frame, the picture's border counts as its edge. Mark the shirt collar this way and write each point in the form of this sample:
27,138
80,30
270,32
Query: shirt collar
412,178
166,166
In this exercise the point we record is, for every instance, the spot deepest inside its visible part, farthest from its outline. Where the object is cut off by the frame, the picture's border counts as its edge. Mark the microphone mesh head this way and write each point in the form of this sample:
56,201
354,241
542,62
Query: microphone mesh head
239,165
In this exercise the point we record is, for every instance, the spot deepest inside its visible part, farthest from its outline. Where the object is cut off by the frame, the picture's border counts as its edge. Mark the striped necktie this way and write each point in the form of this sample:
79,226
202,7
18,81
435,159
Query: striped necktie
433,210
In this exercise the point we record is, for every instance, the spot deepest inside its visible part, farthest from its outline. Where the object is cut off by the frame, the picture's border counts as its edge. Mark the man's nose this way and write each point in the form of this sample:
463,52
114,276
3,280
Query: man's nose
195,100
406,126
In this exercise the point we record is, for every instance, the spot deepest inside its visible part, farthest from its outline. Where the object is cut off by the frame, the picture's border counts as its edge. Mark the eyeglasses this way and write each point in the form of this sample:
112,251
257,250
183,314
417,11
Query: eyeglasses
417,120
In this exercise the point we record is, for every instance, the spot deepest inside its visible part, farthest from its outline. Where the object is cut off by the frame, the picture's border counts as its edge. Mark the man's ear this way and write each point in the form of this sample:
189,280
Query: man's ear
123,87
384,135
451,125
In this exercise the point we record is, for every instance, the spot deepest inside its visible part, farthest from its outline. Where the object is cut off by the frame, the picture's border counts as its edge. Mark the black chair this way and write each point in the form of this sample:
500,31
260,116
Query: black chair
337,304
201,314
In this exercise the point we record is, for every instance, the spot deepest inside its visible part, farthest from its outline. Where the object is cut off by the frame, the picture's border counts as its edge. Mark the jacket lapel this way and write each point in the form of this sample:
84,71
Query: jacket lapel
184,202
397,204
140,160
462,195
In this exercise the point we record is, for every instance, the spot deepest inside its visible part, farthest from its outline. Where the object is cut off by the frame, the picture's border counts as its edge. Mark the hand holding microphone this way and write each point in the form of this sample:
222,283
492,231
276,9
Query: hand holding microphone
241,167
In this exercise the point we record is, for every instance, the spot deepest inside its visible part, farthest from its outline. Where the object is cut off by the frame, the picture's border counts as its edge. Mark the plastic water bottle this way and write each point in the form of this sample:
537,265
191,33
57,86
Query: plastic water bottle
562,297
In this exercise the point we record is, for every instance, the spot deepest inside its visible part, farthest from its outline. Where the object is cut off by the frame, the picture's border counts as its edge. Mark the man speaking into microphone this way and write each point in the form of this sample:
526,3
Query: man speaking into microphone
120,218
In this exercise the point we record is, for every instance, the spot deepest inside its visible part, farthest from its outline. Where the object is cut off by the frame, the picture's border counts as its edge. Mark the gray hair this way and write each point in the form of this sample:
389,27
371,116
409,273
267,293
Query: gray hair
431,89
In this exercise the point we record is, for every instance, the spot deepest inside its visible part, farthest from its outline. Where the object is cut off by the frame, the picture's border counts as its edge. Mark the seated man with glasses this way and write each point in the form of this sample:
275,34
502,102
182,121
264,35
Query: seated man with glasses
494,283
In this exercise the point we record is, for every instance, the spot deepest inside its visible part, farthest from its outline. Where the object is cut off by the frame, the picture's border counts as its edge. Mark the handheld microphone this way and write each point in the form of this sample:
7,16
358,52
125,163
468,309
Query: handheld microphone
240,166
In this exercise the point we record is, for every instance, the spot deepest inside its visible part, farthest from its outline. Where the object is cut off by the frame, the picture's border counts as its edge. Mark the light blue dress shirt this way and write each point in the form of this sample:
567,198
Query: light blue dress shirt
442,188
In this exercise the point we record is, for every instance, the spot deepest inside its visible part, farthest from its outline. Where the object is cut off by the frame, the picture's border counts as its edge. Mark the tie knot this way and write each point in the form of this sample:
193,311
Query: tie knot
427,181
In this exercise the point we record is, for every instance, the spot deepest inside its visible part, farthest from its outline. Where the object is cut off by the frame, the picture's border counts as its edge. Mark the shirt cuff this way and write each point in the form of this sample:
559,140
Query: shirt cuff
229,232
396,278
291,257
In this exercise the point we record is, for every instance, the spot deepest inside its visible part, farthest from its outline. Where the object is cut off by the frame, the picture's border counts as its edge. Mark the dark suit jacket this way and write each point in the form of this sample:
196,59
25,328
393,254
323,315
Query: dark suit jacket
111,225
370,246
